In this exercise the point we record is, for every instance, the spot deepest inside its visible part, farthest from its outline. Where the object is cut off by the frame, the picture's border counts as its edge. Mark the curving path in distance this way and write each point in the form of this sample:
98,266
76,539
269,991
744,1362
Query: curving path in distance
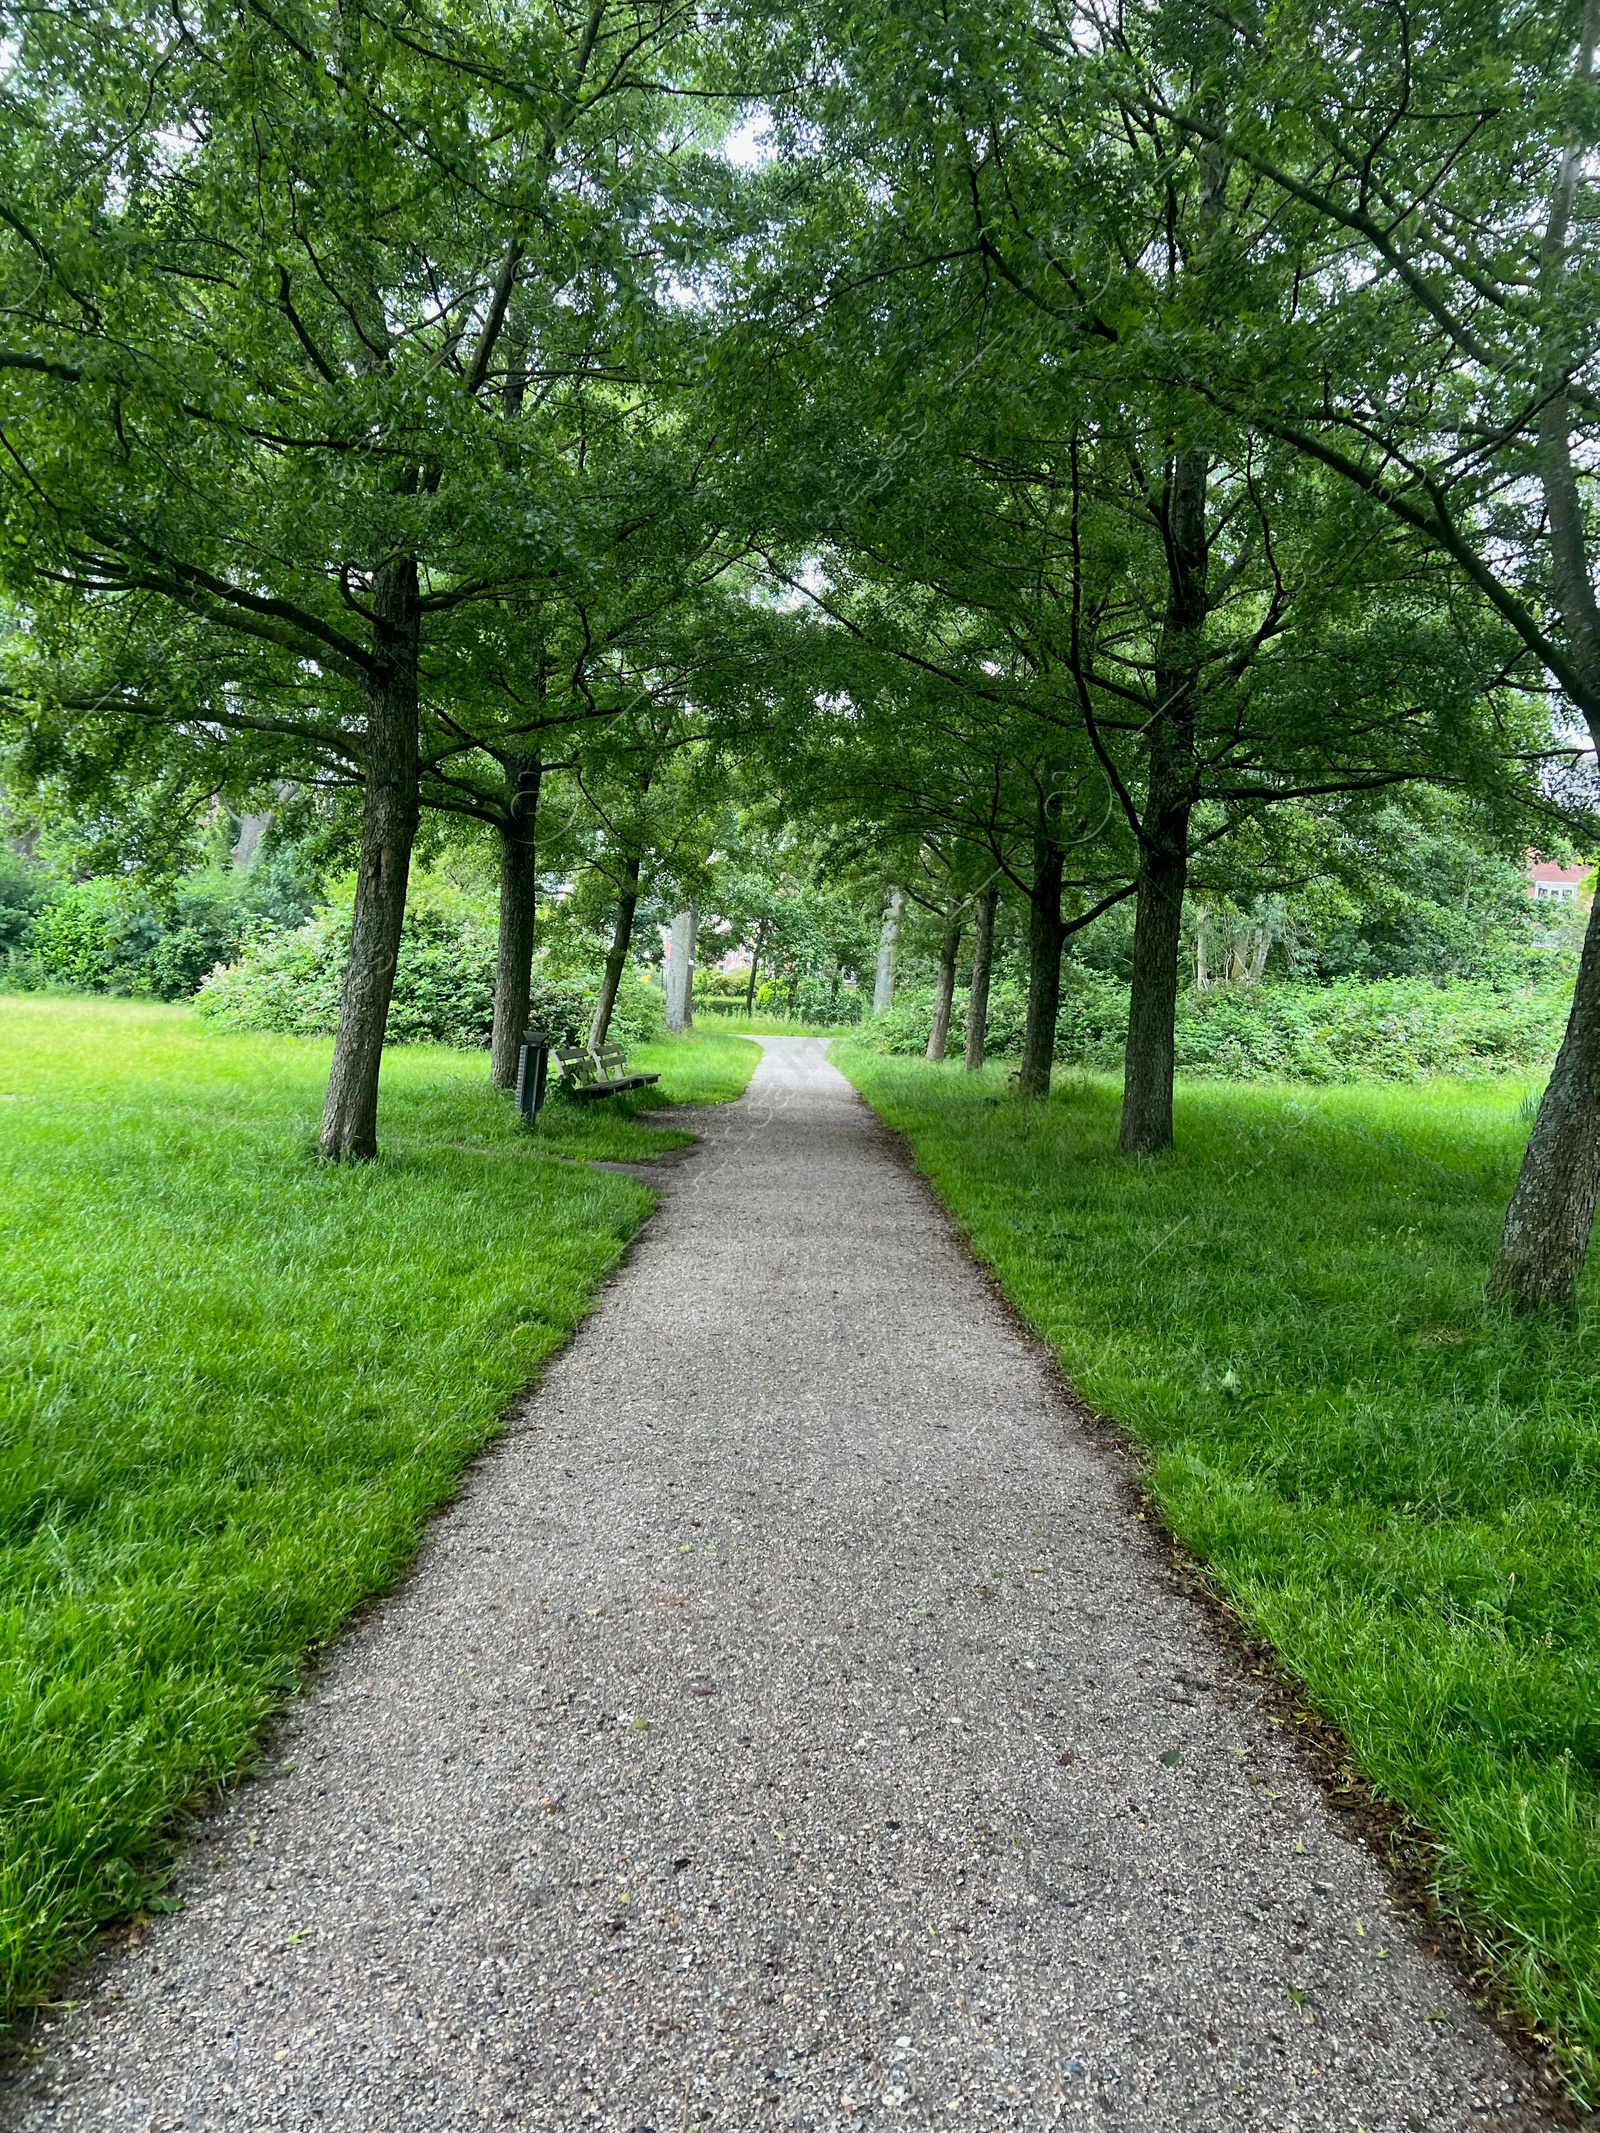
790,1728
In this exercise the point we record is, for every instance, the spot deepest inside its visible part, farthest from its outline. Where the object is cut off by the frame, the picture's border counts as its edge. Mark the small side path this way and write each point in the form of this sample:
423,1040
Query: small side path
789,1728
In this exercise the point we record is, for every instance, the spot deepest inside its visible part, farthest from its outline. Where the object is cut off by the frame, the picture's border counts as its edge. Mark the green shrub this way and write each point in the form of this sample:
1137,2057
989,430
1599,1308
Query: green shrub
1393,1029
95,936
816,997
110,934
22,891
639,1016
443,988
1091,1028
827,1000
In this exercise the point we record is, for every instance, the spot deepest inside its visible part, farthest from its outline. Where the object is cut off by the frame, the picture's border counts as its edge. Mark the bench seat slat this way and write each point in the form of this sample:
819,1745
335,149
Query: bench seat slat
593,1074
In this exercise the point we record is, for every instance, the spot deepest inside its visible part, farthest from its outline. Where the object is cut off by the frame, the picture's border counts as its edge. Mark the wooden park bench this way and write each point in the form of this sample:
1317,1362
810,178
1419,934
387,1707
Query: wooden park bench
602,1073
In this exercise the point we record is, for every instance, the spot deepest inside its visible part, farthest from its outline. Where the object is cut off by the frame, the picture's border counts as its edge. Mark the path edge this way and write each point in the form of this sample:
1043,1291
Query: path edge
1403,1848
170,1850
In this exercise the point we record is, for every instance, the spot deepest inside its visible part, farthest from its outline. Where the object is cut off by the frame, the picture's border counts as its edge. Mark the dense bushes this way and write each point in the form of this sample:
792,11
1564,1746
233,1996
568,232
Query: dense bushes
242,945
110,934
443,988
1398,1029
106,935
1094,1019
822,998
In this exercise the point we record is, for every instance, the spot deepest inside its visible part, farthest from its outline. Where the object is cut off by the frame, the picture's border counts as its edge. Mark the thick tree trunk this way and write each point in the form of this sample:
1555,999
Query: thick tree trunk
388,829
513,969
680,972
1047,934
888,941
1169,799
616,954
1153,1000
945,990
982,963
1552,1209
1551,1216
252,829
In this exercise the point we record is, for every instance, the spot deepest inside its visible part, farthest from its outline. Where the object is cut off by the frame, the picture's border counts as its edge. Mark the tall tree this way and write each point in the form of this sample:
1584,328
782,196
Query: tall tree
1423,324
257,272
1026,500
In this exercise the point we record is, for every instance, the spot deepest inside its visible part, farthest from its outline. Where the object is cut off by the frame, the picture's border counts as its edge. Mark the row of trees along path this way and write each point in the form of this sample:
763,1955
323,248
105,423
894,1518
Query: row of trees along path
1087,452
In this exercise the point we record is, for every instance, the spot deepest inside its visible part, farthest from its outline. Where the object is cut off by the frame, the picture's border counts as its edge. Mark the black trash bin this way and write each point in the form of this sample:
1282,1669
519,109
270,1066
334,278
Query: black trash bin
533,1070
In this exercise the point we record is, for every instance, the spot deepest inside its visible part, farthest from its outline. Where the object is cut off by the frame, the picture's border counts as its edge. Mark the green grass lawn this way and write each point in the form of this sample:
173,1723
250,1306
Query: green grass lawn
236,1382
1398,1486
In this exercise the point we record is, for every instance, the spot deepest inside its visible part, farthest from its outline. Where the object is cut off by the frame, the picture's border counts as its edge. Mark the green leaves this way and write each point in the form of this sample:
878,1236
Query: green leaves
276,291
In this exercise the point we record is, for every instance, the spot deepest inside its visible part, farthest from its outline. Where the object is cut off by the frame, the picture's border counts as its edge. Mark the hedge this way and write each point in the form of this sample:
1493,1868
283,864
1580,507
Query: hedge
443,988
1391,1029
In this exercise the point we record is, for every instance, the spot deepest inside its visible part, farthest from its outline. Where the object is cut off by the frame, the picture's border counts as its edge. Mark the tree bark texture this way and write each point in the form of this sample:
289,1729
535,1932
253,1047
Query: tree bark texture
982,964
252,829
1169,800
1153,999
888,942
513,968
388,830
680,972
945,990
1046,937
1552,1209
1549,1222
617,953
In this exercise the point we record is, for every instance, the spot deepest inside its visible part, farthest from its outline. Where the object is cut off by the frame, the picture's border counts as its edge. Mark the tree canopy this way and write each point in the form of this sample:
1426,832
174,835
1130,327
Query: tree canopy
1037,467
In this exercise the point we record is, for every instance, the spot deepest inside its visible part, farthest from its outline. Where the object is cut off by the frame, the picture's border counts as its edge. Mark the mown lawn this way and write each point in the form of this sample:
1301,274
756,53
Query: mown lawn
235,1384
1398,1486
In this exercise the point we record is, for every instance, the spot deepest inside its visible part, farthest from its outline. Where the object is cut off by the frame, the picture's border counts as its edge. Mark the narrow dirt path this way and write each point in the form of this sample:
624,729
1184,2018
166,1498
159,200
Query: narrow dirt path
789,1728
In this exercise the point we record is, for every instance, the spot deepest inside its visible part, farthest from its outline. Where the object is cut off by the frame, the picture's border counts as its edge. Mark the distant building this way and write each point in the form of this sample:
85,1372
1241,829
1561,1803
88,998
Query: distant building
1550,884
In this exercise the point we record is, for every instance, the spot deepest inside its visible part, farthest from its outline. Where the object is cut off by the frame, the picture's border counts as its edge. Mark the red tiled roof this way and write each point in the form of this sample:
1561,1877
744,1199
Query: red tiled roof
1547,870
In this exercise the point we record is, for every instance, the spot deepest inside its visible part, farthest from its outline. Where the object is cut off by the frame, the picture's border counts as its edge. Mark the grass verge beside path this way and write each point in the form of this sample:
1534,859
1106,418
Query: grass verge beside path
236,1382
711,1066
1398,1486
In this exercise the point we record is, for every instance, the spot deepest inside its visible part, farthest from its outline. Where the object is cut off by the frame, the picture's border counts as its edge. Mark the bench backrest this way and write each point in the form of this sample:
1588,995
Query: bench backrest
609,1058
575,1063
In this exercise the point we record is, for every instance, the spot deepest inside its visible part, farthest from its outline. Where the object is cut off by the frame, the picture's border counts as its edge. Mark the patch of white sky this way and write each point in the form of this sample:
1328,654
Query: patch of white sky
748,144
799,588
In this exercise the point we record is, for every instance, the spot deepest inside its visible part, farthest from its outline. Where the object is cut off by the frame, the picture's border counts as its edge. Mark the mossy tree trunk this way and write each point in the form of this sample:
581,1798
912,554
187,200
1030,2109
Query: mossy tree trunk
617,953
1551,1216
888,943
680,972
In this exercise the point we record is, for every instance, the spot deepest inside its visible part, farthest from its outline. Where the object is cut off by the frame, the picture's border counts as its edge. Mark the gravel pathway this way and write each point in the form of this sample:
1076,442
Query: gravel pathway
790,1727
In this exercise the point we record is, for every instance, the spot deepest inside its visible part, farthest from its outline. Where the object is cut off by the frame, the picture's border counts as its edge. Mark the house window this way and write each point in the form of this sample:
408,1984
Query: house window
1555,892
